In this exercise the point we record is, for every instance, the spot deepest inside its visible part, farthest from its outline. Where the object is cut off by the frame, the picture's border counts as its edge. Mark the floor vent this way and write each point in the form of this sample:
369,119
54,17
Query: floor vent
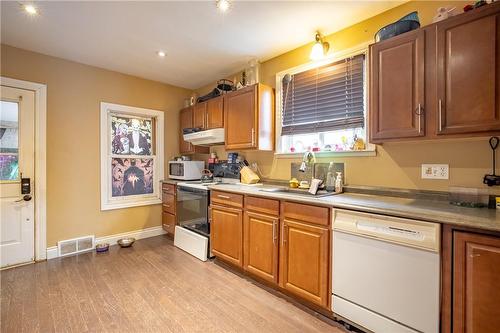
75,245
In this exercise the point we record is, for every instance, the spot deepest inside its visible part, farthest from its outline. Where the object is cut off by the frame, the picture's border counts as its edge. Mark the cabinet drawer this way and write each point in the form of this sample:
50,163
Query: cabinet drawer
263,205
307,213
168,203
168,222
226,199
168,188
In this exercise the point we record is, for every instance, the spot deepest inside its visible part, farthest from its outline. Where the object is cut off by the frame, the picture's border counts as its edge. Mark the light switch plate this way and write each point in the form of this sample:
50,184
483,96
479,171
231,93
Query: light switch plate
435,171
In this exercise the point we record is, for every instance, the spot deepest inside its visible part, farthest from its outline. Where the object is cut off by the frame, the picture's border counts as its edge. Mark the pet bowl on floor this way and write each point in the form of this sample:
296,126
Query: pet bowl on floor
126,242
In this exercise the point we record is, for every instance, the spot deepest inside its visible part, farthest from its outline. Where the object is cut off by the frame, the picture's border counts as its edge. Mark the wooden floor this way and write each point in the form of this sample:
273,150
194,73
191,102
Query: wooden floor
151,287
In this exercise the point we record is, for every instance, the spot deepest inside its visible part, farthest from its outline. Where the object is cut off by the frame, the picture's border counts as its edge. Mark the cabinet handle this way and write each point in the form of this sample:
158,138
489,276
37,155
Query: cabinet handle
419,112
206,118
253,136
440,108
209,215
223,196
168,206
274,232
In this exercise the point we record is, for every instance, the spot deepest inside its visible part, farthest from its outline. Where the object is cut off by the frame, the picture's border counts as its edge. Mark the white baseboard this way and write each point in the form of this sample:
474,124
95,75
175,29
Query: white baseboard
111,239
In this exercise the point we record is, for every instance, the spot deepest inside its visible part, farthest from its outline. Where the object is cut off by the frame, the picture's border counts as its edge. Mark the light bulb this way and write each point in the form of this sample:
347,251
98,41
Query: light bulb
30,9
317,51
223,5
161,54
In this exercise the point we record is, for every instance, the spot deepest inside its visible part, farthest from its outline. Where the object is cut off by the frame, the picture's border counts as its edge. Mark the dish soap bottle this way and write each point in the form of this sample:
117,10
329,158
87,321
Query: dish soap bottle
339,186
330,179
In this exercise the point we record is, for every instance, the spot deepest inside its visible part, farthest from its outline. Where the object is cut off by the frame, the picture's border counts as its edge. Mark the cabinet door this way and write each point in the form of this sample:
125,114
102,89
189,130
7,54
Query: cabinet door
397,87
305,261
168,223
261,246
468,83
215,112
186,121
226,231
200,115
476,274
240,117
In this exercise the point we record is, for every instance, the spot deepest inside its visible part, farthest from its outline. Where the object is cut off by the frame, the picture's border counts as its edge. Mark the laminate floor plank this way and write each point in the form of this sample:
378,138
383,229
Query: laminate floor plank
151,287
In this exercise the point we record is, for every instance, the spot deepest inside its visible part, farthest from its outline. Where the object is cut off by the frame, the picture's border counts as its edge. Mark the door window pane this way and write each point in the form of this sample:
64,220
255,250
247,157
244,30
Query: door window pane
9,140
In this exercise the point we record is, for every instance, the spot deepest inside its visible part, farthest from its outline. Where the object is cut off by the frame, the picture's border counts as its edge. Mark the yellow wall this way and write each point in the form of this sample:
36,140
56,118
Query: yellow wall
396,164
74,93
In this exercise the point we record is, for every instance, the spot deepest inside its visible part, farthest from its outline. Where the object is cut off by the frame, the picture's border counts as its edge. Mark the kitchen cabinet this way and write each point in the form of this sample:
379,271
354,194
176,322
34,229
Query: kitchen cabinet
186,120
200,115
305,261
249,118
397,87
471,271
468,74
226,231
168,208
261,246
440,81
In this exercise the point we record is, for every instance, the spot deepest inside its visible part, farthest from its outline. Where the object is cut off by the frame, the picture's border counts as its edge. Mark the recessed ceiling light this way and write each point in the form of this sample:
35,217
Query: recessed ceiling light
223,5
30,9
161,54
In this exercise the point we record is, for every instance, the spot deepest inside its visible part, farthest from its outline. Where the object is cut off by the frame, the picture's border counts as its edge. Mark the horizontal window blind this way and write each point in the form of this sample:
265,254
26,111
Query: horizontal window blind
324,99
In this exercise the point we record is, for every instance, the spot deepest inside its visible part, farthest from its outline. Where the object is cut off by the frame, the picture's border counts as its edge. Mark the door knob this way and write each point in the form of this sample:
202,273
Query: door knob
26,197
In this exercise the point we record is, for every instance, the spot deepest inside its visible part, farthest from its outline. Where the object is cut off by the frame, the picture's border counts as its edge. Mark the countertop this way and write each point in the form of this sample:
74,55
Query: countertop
438,211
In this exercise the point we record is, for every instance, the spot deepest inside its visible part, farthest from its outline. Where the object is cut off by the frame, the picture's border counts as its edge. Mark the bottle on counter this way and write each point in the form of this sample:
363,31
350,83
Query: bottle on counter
330,179
339,184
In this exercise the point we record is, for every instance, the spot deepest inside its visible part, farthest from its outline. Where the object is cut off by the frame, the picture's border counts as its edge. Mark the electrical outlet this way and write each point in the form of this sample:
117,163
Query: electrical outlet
435,171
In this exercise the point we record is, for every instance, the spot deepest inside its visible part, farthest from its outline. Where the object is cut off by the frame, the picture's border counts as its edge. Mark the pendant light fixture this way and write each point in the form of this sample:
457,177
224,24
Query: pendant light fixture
320,48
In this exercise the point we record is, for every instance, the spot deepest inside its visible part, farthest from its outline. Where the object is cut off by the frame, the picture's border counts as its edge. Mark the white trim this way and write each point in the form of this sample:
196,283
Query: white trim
336,56
108,203
370,151
40,183
111,239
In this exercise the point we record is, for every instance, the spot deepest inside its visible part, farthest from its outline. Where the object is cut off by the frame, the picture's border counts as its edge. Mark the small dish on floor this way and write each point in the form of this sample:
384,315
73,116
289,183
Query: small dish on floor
126,242
103,247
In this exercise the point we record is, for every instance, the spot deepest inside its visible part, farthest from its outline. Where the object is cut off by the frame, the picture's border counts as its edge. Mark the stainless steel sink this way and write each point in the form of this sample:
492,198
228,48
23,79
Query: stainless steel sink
295,191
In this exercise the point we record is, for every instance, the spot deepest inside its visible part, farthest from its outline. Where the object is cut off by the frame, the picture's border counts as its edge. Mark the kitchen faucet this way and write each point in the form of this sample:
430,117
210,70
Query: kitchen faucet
307,159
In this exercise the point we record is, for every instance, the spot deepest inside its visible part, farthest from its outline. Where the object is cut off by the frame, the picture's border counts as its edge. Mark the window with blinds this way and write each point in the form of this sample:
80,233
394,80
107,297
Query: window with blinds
327,98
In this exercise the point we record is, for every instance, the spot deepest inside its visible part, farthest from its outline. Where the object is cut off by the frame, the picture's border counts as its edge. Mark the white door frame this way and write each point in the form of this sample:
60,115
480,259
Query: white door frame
40,183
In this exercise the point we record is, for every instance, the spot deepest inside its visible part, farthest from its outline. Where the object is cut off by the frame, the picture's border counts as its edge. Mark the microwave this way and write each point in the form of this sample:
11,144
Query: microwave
185,170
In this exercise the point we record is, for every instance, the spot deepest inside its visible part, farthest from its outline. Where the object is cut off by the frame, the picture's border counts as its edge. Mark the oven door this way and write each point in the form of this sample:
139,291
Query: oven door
192,209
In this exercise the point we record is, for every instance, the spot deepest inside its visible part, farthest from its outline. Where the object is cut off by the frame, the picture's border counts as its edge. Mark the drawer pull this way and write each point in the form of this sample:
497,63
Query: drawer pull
168,206
223,196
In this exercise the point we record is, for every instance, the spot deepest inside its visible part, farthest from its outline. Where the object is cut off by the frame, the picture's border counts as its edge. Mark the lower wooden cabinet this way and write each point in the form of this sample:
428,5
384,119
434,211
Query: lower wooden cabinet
304,261
226,232
168,223
476,277
260,251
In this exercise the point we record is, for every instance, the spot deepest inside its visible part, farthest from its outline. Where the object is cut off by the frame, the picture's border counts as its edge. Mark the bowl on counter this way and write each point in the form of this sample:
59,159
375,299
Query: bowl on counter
126,242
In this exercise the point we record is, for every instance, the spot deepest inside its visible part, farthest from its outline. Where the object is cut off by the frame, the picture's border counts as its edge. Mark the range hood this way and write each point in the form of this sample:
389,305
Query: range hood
206,138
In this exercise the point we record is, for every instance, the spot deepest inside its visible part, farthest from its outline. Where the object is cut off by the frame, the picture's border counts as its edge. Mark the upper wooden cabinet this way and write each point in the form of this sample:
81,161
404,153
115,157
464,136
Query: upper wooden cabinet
249,118
186,121
397,87
209,114
439,81
468,74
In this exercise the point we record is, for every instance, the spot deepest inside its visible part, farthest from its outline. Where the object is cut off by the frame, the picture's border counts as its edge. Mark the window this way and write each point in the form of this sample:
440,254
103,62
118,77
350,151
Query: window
323,108
131,156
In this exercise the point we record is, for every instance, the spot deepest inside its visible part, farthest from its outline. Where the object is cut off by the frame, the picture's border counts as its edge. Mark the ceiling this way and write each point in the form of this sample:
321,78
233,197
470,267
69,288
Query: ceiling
202,44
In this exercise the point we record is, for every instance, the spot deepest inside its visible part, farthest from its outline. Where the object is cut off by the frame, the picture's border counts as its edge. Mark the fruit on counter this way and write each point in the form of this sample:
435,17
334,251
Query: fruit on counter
294,183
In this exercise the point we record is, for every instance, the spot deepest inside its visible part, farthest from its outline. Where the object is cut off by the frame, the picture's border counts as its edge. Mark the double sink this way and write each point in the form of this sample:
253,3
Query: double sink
296,191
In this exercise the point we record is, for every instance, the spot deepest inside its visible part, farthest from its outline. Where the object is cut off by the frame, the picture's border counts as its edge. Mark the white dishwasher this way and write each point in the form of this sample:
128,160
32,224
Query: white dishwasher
386,272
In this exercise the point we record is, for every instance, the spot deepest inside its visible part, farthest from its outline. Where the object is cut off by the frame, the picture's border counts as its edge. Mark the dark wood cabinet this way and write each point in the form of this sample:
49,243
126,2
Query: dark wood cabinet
468,74
186,120
249,118
476,274
397,87
439,81
304,261
261,246
226,231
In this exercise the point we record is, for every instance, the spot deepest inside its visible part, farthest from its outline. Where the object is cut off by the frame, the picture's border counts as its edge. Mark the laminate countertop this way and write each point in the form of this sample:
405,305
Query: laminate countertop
438,211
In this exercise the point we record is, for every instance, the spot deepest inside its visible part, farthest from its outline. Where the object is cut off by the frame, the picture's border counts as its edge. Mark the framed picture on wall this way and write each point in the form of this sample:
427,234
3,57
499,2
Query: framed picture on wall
131,156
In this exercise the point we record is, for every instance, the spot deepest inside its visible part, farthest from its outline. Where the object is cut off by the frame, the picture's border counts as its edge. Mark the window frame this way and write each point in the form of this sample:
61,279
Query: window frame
108,202
337,56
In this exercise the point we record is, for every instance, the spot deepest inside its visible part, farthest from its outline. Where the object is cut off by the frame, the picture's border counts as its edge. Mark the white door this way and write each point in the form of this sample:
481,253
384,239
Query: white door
17,230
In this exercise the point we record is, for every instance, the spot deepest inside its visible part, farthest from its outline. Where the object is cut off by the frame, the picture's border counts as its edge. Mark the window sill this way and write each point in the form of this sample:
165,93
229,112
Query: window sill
325,154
